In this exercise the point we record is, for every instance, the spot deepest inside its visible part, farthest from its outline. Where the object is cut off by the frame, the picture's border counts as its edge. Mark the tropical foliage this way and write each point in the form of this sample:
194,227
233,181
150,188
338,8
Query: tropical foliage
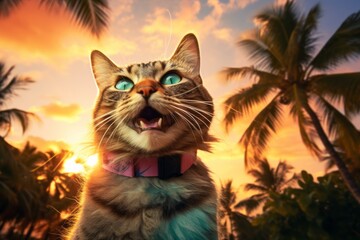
92,15
292,75
267,180
8,86
322,209
34,192
37,197
316,210
233,225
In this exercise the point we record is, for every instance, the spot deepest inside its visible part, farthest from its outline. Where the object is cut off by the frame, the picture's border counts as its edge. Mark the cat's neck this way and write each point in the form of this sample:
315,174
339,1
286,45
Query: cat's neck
163,167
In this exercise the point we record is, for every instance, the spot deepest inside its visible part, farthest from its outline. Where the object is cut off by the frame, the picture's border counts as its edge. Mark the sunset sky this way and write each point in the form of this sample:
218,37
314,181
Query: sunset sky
52,50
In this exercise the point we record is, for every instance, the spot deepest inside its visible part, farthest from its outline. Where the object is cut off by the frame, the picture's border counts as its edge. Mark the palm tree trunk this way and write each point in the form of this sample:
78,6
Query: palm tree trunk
233,229
344,171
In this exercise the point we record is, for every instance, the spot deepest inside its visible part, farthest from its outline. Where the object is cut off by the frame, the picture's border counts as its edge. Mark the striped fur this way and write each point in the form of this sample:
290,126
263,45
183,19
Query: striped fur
118,207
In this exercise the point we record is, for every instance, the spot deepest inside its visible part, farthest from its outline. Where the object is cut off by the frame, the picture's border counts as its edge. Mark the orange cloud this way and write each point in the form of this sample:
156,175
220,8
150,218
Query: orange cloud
186,20
60,111
33,33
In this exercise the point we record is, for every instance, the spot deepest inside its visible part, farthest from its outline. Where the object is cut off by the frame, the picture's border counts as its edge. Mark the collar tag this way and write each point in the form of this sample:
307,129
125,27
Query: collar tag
169,166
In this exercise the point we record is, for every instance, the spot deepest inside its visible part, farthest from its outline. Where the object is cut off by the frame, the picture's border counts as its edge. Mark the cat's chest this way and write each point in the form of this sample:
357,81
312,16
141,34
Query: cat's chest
141,208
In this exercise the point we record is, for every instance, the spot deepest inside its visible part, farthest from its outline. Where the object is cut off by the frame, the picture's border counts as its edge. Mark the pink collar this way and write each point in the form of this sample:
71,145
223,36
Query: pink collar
163,167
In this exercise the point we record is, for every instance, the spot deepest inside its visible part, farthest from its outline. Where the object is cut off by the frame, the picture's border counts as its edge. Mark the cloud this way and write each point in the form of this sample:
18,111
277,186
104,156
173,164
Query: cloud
121,12
60,111
244,3
41,144
186,19
33,33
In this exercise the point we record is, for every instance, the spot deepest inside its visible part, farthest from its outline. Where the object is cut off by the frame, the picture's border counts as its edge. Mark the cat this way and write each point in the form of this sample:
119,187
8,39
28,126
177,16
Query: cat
149,121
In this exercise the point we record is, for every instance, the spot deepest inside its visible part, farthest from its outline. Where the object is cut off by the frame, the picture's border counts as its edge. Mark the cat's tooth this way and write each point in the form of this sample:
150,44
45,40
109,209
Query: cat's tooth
142,124
159,122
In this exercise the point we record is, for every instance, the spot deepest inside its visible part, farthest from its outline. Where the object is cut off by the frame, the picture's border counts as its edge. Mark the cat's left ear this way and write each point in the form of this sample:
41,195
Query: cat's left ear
188,52
103,69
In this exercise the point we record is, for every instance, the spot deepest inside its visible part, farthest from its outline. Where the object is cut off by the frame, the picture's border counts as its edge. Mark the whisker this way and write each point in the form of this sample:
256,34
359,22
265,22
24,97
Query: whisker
191,116
188,123
115,128
209,103
103,136
198,111
103,122
190,90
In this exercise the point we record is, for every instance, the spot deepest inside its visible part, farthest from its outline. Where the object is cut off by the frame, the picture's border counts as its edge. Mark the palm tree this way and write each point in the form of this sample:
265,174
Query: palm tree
231,220
15,193
8,87
291,75
59,190
92,15
267,180
40,193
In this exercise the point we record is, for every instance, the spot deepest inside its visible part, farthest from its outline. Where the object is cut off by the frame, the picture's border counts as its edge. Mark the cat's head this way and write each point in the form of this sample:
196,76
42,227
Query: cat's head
152,108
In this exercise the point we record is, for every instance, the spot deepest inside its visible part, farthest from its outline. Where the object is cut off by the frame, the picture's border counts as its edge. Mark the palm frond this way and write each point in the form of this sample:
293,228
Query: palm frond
258,133
227,195
278,23
255,188
307,39
241,103
342,46
8,87
341,128
263,173
91,14
17,115
260,53
339,88
254,74
292,53
6,6
281,172
252,203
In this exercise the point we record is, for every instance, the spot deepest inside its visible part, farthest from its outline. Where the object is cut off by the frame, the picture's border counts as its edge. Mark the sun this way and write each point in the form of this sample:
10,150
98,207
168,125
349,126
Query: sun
75,164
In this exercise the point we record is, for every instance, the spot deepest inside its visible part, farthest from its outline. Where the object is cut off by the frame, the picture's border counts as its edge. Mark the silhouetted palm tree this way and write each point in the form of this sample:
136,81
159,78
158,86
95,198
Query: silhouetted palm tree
8,86
233,224
39,194
59,191
291,75
91,14
15,183
267,180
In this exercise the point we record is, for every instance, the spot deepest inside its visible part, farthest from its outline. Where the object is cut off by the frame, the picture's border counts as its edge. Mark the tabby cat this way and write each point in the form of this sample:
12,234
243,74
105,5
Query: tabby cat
149,121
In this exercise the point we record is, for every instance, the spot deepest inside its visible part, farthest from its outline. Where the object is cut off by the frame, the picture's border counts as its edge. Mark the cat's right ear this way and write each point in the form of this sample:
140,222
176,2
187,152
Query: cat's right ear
103,69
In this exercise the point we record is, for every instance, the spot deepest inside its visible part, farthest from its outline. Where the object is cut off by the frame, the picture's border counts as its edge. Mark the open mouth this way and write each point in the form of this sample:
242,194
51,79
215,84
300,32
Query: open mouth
150,119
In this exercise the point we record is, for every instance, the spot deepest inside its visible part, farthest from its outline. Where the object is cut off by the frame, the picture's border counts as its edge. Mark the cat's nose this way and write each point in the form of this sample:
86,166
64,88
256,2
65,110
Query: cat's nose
147,87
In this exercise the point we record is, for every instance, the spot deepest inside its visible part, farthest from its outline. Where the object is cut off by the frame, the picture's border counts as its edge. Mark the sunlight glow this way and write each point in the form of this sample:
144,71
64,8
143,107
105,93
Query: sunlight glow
79,164
71,165
91,161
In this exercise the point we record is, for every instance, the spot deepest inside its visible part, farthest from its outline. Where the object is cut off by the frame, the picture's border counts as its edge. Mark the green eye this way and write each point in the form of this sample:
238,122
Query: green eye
170,78
124,84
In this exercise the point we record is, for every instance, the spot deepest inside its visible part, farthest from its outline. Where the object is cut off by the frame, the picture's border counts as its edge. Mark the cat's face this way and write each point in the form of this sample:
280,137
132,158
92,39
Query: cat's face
154,107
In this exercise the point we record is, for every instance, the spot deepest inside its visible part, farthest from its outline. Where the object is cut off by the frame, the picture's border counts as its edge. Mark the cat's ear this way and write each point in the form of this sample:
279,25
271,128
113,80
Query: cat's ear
188,52
103,68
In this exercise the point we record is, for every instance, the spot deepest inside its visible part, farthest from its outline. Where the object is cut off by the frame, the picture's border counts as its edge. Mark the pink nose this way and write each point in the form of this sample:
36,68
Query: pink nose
146,88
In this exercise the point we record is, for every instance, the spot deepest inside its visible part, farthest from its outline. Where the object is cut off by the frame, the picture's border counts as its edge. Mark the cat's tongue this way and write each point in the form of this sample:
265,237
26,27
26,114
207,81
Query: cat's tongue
150,124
